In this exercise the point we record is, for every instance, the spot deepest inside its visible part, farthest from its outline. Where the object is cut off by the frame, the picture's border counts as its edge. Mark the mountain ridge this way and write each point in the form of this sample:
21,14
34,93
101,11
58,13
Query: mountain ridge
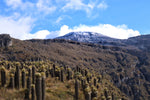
88,37
140,42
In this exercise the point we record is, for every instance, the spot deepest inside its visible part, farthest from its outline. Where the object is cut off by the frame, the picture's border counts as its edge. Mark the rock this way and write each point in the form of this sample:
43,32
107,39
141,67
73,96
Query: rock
5,40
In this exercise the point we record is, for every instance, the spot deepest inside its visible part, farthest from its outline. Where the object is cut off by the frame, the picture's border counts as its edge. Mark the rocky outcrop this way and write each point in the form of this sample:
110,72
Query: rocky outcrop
5,40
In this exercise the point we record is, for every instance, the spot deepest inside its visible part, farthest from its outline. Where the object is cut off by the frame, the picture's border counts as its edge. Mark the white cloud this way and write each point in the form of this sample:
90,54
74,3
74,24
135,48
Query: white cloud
16,28
45,6
42,34
74,4
102,5
20,28
64,30
59,19
78,5
120,31
15,4
62,18
91,5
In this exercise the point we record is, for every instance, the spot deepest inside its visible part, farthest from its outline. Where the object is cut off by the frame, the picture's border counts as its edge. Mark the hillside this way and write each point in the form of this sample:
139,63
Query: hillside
43,80
127,66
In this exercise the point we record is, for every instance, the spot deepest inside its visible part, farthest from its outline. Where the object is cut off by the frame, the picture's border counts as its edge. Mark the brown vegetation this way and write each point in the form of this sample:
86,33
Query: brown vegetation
126,67
52,87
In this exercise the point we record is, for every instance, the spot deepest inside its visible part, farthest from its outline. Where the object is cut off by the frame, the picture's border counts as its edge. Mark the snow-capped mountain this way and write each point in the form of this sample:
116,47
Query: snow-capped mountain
88,37
140,42
91,37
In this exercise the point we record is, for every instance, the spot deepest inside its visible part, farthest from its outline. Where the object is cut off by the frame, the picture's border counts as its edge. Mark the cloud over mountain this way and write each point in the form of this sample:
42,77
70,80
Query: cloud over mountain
21,29
119,32
51,18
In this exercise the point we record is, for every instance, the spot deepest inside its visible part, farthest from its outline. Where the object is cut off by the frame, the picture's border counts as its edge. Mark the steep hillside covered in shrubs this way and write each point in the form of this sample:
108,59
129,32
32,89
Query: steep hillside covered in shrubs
46,81
127,68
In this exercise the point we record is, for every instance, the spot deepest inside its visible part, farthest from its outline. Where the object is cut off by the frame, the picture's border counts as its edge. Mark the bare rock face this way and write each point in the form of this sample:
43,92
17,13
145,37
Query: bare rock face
5,40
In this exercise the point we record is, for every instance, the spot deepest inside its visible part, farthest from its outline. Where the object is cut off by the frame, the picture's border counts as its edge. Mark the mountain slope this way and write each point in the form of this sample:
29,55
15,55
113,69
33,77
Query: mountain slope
142,42
127,67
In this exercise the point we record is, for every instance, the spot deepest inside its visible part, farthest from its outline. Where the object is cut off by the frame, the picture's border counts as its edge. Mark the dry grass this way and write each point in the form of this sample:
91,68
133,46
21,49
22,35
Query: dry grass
8,94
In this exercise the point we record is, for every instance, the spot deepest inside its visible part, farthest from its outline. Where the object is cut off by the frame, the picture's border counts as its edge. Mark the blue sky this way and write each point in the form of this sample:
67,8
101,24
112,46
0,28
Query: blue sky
26,19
